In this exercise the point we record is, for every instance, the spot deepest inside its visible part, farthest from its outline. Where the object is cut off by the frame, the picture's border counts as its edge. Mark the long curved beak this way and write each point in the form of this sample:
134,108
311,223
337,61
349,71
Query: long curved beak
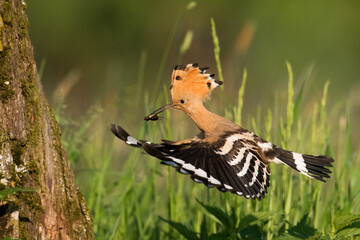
154,115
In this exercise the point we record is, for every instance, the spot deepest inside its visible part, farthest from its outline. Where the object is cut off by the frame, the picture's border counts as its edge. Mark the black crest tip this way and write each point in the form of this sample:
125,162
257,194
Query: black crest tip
179,67
219,82
202,69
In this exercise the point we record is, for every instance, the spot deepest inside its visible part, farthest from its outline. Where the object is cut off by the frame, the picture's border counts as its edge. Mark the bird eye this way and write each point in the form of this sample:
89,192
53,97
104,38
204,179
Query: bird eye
182,101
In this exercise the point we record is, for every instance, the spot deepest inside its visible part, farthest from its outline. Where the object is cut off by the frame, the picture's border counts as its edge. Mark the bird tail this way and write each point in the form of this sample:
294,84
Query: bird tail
311,166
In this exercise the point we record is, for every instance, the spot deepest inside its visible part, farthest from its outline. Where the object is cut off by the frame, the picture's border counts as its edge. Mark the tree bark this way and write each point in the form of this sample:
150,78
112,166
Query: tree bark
31,154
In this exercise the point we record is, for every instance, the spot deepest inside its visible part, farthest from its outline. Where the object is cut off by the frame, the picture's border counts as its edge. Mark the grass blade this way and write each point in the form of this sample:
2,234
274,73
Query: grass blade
300,95
290,103
216,50
238,109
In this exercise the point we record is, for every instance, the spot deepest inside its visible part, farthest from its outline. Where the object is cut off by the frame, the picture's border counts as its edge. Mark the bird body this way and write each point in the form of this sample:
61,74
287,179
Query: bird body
223,154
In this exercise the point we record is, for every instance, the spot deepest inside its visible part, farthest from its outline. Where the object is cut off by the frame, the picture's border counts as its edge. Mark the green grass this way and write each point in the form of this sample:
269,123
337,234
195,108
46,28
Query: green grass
132,196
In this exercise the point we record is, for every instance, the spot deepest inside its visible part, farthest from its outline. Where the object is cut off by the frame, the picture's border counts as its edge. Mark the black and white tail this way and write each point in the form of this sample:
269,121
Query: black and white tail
311,166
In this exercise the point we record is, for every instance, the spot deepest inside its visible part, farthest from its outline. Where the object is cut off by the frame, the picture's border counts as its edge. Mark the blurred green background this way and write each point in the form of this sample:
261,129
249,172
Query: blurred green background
118,56
104,41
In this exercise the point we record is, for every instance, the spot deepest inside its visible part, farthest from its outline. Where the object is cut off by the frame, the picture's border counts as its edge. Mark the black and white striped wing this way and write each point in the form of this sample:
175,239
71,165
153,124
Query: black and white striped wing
232,164
240,170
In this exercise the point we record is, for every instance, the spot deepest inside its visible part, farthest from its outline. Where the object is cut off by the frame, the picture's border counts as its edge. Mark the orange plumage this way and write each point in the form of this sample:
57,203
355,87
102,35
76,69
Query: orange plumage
190,80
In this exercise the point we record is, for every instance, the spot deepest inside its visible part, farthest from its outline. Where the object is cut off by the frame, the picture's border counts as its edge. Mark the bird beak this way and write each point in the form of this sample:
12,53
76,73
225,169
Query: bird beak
154,115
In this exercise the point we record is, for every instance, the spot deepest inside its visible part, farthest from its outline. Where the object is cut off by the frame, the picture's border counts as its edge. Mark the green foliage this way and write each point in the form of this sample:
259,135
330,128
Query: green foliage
249,226
302,230
220,215
182,229
346,224
351,230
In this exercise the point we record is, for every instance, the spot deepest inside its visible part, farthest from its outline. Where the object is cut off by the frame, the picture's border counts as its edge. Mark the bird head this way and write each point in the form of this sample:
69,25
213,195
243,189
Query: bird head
190,86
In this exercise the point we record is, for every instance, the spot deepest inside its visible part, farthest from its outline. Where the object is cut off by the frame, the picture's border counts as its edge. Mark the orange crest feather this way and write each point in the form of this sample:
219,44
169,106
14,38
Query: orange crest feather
192,80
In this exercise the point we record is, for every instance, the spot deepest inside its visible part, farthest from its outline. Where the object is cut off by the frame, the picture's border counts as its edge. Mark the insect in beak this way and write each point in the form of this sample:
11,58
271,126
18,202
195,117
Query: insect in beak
154,115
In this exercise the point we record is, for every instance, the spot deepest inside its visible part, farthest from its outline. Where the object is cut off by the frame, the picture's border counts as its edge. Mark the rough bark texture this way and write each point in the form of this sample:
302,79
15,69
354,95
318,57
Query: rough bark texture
31,154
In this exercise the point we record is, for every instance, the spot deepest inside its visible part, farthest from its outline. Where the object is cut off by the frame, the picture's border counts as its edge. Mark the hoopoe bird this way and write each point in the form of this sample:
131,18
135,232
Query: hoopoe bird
223,155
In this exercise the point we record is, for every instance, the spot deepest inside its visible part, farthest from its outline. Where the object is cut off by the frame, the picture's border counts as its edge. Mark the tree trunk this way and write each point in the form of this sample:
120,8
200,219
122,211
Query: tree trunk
31,154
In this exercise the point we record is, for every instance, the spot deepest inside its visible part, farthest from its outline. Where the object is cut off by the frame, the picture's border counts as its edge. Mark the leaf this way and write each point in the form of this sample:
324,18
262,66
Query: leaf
302,230
8,191
350,230
218,213
182,229
342,221
280,227
286,236
203,230
219,236
252,232
246,221
317,236
252,218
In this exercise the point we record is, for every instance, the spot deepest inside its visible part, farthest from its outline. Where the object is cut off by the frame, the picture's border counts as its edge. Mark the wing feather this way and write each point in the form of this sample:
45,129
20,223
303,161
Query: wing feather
235,166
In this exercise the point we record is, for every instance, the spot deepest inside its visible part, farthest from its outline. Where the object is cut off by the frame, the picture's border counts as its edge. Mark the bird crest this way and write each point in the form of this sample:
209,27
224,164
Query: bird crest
193,81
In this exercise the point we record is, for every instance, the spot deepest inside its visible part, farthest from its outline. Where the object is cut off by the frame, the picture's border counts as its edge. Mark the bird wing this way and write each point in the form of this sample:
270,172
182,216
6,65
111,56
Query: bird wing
232,164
